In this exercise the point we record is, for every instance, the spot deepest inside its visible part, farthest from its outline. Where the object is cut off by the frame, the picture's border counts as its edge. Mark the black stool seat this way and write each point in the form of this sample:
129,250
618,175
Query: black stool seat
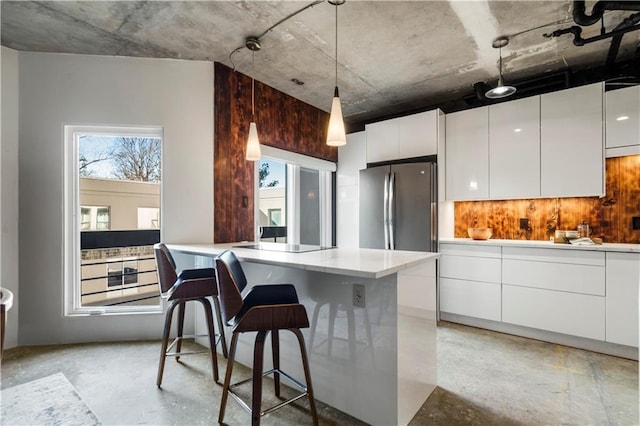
265,309
190,285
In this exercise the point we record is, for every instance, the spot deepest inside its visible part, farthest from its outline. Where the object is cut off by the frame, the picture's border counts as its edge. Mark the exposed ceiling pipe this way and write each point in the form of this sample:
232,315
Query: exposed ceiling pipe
616,40
580,16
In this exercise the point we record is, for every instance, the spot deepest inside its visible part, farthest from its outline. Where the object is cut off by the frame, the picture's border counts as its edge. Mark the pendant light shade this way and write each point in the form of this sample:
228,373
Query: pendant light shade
501,91
336,135
253,144
253,152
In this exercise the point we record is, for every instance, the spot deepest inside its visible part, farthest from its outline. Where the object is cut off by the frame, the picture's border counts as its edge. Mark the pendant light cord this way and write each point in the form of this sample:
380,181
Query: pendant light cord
336,6
253,55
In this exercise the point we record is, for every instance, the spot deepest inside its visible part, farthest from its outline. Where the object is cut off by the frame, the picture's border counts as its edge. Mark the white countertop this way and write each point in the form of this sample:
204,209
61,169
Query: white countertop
629,248
366,263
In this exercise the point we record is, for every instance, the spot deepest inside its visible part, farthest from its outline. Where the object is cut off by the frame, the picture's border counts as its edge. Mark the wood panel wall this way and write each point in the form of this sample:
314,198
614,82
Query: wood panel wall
609,217
283,122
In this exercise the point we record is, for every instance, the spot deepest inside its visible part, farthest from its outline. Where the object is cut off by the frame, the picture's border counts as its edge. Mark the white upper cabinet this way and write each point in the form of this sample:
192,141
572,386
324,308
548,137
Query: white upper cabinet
514,149
623,121
467,155
572,142
405,137
418,134
382,141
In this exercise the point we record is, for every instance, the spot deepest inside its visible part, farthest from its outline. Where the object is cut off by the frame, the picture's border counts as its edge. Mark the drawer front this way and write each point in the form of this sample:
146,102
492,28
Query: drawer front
471,268
573,256
471,250
568,313
470,298
585,279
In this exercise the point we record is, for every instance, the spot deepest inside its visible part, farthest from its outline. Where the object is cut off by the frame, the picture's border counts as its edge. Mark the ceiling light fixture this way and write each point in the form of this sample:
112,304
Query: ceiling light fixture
501,91
253,152
336,135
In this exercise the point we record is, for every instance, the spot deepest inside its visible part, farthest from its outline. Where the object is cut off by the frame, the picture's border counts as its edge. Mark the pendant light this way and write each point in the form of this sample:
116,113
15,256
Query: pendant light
253,152
336,135
501,91
253,143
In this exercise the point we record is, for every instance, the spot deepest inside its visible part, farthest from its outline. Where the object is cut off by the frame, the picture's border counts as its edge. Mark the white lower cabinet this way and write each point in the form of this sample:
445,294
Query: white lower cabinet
470,279
590,294
623,279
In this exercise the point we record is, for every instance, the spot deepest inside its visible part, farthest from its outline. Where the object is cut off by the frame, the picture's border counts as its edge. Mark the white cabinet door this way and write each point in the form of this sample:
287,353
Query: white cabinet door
382,141
467,155
580,315
623,279
514,149
418,134
572,142
623,121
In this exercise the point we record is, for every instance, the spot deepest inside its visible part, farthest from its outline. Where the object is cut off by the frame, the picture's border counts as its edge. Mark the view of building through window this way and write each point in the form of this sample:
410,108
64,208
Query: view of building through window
292,203
272,200
119,219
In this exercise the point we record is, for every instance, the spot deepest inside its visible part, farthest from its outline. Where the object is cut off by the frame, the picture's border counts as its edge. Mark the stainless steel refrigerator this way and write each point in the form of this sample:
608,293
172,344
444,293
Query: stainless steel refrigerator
398,207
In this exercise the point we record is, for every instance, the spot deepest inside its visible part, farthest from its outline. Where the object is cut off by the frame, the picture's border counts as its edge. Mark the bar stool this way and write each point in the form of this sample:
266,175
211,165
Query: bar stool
266,308
189,285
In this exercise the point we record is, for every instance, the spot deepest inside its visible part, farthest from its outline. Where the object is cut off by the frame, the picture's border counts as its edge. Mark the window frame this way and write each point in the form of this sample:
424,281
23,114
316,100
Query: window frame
294,162
72,283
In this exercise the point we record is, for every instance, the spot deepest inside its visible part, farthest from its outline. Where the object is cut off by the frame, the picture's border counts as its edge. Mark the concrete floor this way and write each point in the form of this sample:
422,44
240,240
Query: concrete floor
485,378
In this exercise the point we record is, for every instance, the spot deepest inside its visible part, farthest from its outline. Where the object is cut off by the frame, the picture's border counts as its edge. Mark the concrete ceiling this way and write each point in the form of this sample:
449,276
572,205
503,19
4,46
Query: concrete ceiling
393,56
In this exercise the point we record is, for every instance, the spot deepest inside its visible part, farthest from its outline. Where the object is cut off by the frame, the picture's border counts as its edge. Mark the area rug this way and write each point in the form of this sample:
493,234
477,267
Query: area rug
51,400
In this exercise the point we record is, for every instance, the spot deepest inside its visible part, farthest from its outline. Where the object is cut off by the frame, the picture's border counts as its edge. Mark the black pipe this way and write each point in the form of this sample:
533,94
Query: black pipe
616,40
580,16
480,89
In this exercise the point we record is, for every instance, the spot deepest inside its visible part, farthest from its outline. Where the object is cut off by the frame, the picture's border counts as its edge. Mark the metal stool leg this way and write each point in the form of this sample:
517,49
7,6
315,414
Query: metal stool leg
165,340
227,377
307,374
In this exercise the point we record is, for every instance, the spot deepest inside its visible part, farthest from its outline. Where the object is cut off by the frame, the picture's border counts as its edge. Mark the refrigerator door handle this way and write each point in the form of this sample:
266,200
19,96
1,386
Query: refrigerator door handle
392,244
434,207
385,212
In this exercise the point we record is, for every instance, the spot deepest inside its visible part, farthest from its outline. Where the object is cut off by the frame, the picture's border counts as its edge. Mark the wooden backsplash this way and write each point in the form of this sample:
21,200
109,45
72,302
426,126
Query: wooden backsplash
609,217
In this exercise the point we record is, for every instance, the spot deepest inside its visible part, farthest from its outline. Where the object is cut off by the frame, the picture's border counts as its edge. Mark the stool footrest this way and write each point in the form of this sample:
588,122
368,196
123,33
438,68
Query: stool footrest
295,382
168,352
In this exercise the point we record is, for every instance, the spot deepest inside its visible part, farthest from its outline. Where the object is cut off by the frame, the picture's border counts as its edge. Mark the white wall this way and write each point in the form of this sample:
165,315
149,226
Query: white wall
59,89
352,158
9,188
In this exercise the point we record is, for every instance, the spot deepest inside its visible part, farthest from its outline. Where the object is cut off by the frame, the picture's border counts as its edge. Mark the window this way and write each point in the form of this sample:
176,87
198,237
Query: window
275,217
112,219
148,218
294,198
94,218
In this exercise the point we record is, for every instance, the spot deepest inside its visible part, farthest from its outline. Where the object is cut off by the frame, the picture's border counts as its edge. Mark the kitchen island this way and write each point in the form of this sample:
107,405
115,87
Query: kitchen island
372,313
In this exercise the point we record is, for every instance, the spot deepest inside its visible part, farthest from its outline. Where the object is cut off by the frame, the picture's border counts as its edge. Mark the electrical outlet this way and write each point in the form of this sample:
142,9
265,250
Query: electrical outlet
635,223
359,296
524,223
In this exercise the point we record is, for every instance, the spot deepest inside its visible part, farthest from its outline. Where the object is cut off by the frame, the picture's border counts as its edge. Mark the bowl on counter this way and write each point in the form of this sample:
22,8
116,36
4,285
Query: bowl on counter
479,233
